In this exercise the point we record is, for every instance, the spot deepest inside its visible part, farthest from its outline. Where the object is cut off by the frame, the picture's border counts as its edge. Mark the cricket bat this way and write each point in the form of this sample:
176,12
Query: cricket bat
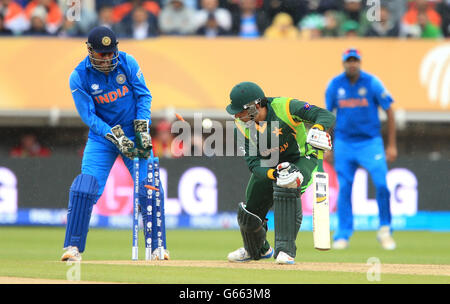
321,211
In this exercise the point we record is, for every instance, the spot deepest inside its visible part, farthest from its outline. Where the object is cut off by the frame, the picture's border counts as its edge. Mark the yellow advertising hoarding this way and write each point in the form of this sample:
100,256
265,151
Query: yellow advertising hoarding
197,73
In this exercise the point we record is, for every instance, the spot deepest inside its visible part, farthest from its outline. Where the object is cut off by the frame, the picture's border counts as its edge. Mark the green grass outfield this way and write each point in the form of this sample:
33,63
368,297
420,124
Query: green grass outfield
27,252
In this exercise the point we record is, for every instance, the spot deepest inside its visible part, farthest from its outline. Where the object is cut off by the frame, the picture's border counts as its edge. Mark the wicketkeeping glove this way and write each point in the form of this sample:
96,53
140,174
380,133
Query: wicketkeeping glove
142,153
288,176
319,139
143,138
123,143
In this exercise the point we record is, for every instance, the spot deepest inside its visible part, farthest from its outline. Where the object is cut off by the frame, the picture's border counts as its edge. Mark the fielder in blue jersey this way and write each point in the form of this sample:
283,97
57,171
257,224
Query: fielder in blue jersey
356,96
113,100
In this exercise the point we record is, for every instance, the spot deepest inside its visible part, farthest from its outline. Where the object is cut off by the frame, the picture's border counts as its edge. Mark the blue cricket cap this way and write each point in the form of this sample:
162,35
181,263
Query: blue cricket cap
102,40
349,53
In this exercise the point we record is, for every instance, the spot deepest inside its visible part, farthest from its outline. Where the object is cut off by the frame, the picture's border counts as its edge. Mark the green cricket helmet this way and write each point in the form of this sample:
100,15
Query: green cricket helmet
242,94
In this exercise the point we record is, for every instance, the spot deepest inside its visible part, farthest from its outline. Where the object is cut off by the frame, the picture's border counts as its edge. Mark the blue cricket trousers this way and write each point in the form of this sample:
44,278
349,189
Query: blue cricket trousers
370,155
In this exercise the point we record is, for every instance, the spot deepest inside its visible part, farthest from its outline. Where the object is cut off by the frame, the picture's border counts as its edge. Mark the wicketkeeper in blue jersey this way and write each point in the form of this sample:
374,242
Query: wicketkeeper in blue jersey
113,100
356,97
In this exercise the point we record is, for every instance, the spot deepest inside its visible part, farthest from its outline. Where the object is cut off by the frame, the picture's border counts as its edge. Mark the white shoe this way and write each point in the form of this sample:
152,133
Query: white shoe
72,254
385,238
284,258
156,254
241,255
340,244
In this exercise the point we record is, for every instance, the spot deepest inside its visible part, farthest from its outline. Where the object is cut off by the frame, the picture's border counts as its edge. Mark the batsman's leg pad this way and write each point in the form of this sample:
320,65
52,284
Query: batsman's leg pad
288,219
252,230
82,197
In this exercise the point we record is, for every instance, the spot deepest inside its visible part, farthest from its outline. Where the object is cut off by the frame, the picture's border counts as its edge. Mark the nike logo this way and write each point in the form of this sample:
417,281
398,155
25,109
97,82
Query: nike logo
74,90
378,156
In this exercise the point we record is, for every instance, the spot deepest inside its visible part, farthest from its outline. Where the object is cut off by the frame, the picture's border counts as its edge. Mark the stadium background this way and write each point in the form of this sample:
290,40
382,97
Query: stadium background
189,75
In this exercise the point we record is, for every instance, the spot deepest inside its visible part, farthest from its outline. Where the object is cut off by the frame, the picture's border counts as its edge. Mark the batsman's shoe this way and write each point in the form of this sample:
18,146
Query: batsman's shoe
156,255
72,254
241,255
340,244
284,258
385,238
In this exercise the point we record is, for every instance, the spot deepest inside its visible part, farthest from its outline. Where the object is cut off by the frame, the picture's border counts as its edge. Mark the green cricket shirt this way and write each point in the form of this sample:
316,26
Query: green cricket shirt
285,121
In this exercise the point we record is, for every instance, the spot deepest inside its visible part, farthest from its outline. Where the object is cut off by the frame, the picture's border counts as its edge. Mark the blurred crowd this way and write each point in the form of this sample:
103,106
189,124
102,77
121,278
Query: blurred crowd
29,146
271,19
165,143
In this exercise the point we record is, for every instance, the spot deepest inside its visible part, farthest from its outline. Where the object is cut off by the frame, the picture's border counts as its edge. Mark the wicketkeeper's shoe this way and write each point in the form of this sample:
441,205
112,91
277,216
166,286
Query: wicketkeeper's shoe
72,254
284,258
385,238
156,254
340,244
241,255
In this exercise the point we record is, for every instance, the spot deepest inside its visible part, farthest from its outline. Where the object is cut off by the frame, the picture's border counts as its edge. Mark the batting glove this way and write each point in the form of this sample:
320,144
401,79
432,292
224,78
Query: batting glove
319,139
123,143
288,176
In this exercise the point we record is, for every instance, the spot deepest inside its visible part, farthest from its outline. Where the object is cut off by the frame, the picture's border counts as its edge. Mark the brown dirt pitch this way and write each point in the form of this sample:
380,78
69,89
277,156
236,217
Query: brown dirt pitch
405,269
408,269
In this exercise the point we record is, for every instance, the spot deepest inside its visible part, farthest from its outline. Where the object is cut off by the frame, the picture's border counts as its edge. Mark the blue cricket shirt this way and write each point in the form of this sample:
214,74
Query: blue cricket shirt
357,106
104,101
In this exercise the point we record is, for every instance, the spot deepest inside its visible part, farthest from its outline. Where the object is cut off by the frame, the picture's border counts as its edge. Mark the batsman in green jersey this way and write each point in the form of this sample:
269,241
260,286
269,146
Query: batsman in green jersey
282,156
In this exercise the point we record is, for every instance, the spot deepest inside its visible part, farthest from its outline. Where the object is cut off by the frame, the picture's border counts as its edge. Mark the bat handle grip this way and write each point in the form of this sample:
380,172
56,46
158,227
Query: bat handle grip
320,160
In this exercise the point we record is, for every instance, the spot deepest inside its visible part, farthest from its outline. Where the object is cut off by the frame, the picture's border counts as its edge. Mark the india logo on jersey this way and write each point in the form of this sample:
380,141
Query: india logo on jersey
112,96
120,79
435,74
362,91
